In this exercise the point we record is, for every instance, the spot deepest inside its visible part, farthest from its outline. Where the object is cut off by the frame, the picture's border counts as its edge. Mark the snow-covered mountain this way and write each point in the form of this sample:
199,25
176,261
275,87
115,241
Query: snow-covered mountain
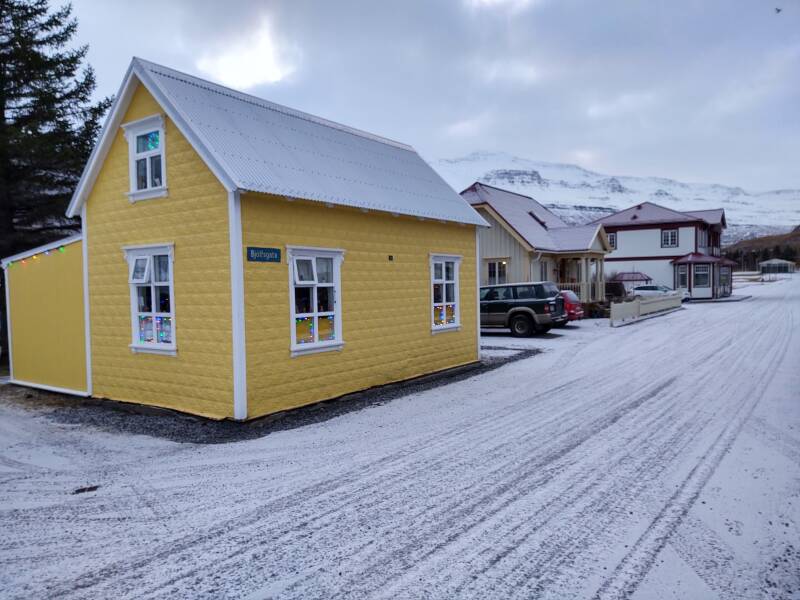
578,195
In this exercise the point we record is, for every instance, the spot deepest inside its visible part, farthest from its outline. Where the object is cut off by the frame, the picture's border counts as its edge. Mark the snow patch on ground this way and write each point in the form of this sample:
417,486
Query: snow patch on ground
660,460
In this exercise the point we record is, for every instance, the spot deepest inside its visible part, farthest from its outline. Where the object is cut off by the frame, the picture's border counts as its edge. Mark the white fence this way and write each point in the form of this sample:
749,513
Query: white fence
627,312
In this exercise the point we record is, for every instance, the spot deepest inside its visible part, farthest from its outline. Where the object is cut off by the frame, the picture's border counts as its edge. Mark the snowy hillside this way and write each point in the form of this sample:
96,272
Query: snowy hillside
578,195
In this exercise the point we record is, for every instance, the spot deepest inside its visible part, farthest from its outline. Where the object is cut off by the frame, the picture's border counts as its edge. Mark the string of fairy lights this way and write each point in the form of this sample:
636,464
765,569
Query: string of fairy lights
36,257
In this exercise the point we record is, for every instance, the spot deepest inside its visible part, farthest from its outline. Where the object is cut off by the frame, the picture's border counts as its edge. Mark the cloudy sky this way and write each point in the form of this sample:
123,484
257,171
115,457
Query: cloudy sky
695,90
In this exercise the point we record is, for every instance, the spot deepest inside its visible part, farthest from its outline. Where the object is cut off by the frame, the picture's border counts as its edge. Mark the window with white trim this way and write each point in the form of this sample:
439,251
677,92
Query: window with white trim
669,238
683,276
496,271
314,282
445,313
152,298
612,240
146,158
701,276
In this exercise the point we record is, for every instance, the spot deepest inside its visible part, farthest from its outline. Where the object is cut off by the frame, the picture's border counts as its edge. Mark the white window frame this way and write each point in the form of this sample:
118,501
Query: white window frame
668,243
702,241
497,262
694,276
293,255
683,270
132,254
442,259
146,275
132,131
612,240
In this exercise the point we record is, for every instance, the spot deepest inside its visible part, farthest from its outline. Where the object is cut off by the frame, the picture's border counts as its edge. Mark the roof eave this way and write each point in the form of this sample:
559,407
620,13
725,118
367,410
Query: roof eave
91,169
137,74
4,262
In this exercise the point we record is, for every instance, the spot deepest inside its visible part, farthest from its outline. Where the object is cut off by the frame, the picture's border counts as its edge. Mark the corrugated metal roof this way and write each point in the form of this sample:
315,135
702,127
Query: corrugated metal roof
574,238
714,216
649,212
776,261
265,147
646,212
533,222
696,257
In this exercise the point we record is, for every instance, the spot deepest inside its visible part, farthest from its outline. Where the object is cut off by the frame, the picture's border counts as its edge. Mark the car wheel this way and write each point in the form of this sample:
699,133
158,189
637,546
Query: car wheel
521,326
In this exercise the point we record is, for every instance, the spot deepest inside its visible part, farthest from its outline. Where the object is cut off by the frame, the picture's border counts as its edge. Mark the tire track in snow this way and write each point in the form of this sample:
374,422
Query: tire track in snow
633,568
306,520
432,479
174,548
312,575
713,560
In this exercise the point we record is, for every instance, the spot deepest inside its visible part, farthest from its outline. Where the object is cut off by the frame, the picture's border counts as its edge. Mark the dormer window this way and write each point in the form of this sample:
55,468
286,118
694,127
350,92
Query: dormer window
146,158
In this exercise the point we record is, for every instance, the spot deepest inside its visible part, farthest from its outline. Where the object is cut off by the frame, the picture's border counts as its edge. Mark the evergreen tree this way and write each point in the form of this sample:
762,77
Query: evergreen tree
48,128
49,121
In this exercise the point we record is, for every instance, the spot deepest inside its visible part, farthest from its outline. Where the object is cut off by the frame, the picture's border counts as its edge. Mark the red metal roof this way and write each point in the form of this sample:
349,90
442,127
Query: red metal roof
697,258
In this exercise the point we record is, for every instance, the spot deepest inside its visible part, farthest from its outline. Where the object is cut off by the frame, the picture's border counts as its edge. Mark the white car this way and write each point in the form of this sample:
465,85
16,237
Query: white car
647,291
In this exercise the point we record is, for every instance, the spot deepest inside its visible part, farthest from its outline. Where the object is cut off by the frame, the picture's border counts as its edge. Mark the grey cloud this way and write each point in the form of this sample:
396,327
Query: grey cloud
703,91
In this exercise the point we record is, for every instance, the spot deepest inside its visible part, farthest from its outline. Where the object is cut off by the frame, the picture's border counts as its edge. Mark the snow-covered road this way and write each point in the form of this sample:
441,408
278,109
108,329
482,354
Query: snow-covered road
660,460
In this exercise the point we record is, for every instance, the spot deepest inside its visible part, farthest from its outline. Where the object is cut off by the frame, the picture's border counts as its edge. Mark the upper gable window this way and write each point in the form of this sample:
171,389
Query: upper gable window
146,158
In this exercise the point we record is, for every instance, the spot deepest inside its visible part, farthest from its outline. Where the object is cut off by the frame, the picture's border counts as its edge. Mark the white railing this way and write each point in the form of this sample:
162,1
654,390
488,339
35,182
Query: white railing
587,291
630,311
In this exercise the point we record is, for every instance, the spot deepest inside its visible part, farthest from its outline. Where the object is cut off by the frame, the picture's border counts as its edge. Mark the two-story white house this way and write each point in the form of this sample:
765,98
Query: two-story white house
677,249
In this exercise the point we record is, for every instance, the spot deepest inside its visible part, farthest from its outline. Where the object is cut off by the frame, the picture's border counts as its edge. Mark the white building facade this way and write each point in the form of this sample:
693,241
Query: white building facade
680,250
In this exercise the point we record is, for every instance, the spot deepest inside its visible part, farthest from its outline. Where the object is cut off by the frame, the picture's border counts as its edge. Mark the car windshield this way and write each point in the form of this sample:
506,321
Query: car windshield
570,295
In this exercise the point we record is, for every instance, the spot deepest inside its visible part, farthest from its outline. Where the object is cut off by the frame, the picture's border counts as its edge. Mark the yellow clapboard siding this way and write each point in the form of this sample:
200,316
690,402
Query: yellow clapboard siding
386,312
48,341
194,217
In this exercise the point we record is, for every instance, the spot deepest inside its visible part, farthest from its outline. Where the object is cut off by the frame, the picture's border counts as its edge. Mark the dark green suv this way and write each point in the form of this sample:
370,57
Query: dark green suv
525,308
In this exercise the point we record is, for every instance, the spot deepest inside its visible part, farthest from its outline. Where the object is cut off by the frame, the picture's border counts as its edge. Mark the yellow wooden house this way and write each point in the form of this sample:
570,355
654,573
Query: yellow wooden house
238,258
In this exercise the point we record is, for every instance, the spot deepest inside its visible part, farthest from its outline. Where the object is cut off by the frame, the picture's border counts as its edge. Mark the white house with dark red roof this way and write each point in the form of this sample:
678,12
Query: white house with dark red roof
677,249
527,242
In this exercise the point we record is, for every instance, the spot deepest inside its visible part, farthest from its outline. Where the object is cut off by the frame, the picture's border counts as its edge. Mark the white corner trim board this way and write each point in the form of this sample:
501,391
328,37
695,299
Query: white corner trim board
478,290
8,322
237,306
86,312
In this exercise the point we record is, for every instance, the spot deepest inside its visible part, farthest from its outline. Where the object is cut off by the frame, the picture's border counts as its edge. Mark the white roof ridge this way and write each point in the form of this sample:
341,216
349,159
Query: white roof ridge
217,88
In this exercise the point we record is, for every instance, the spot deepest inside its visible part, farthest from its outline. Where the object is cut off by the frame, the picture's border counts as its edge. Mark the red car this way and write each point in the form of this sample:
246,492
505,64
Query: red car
572,306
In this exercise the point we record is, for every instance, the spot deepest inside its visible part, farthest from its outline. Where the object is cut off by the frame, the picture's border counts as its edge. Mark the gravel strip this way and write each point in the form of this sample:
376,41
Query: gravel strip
139,419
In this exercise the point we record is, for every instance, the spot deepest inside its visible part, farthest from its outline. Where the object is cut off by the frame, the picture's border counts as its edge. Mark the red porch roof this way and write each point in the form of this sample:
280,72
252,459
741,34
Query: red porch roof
697,258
